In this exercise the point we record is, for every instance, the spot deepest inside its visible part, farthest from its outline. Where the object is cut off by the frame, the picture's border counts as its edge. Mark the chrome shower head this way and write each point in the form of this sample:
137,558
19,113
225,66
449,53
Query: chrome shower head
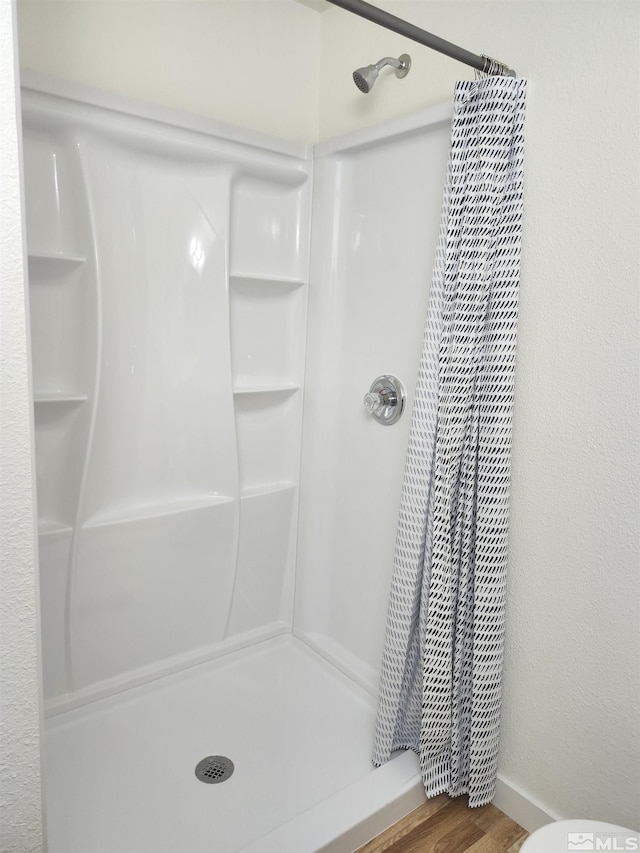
365,77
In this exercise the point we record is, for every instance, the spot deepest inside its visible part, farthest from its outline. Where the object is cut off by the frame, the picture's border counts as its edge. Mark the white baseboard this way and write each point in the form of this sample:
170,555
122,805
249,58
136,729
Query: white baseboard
509,798
521,807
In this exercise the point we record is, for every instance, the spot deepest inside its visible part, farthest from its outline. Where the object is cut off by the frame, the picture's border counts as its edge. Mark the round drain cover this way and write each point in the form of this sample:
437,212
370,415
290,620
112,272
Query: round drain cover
214,768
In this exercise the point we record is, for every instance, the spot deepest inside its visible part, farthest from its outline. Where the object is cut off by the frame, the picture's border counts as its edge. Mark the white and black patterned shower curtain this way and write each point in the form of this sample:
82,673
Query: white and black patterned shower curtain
441,680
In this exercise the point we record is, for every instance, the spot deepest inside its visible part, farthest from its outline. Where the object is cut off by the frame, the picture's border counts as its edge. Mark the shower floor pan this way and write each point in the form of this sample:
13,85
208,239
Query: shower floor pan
120,772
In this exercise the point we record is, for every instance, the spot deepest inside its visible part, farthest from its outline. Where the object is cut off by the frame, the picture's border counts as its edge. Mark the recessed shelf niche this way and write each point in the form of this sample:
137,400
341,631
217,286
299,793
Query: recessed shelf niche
52,196
268,427
54,554
270,227
59,430
57,328
267,307
267,331
265,555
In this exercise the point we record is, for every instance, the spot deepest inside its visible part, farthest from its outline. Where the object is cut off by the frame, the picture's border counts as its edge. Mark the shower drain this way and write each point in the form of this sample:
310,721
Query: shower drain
214,768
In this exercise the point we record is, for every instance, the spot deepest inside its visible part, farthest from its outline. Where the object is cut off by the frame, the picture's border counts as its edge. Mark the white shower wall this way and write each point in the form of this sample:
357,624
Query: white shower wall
168,273
168,290
376,213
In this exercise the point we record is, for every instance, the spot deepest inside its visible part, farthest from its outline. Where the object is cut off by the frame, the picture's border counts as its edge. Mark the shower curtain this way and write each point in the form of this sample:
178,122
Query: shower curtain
440,687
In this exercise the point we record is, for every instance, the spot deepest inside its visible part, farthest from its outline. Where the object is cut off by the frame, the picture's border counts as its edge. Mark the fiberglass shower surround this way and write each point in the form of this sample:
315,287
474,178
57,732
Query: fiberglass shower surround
168,324
169,281
168,297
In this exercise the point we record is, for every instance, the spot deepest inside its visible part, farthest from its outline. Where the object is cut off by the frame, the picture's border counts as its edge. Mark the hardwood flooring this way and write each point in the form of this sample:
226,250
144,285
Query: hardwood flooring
446,825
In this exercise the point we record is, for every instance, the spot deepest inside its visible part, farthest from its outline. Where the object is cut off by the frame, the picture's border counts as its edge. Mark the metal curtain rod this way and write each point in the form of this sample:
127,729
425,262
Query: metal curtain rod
404,28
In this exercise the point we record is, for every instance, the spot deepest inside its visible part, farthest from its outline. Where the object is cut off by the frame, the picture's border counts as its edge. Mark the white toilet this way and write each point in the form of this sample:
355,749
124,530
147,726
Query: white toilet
565,835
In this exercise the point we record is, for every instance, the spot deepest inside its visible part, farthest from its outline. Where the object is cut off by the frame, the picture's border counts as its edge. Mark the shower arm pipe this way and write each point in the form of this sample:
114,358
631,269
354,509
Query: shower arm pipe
410,31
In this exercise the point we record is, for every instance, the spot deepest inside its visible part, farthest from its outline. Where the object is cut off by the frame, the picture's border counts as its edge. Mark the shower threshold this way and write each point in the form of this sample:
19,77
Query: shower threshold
120,771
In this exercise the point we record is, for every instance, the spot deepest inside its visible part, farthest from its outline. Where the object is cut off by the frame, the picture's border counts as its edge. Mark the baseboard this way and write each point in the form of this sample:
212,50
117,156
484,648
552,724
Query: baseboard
520,806
509,798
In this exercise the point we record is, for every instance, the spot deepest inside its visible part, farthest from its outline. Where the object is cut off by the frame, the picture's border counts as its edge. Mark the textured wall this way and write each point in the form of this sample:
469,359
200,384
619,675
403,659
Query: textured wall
20,808
249,62
571,731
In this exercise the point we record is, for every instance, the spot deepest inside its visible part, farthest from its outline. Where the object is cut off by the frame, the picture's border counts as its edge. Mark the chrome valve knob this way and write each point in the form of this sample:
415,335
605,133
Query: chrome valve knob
373,403
385,400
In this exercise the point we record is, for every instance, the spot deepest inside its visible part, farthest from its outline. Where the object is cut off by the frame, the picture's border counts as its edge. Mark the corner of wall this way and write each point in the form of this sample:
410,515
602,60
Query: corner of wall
20,714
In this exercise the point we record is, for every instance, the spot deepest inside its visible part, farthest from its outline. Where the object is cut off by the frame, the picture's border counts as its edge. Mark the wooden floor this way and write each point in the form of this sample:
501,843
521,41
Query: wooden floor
445,825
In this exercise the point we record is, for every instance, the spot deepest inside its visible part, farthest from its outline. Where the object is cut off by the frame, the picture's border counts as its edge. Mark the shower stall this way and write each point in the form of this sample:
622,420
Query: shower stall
217,510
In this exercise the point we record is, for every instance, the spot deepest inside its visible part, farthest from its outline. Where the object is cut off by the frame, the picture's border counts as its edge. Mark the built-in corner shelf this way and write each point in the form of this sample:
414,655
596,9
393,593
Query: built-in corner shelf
267,489
58,397
44,260
139,511
50,527
265,281
266,389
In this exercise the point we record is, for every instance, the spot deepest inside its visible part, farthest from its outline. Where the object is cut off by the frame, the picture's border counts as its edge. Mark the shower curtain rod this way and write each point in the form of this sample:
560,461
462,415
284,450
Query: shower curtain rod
404,28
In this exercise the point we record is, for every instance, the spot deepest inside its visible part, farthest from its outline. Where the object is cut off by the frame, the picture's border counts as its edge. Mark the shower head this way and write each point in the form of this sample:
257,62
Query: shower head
365,77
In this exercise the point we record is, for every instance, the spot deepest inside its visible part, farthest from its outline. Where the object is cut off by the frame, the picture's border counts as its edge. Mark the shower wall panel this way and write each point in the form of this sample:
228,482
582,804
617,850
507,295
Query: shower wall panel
370,278
168,270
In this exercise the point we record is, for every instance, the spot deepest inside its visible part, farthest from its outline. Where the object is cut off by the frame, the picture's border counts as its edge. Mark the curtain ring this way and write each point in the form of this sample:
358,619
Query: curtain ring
491,68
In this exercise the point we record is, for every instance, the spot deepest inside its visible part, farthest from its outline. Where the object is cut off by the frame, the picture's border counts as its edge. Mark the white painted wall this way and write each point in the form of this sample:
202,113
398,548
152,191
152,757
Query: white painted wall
253,63
571,731
20,802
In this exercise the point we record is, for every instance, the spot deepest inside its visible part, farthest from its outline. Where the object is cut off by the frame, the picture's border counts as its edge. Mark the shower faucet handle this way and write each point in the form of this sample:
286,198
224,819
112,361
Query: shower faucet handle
385,400
373,402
